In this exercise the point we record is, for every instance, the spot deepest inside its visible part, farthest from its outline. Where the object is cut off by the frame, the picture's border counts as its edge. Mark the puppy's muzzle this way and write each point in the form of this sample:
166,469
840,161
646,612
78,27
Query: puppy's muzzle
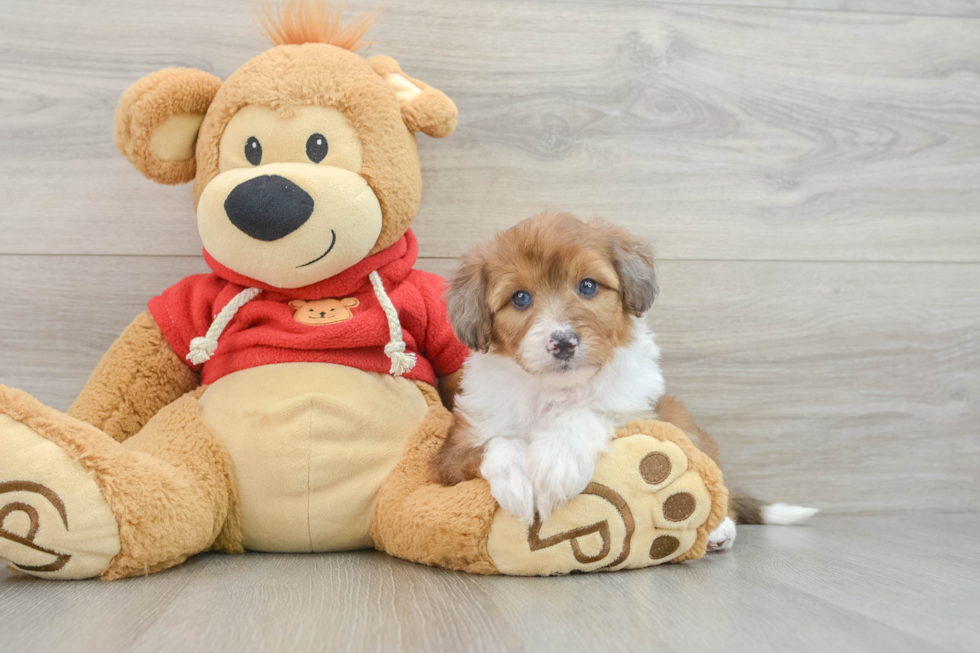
562,344
269,207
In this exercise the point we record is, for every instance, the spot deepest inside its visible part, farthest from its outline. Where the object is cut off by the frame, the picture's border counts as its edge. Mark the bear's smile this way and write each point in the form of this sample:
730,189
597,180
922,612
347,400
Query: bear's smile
333,241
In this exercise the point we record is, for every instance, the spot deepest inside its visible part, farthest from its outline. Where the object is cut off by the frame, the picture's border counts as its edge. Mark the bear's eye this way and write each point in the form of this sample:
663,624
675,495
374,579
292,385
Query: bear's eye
316,147
311,310
253,151
588,287
521,299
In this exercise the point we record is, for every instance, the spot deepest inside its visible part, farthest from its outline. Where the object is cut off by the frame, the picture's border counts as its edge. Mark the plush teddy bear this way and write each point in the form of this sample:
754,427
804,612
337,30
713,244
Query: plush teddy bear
288,401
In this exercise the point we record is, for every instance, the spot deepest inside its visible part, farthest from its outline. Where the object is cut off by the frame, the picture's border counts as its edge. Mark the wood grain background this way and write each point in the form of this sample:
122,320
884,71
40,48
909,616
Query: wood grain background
808,171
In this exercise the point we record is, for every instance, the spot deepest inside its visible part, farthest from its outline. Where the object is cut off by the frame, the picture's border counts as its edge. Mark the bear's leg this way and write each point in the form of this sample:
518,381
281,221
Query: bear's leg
419,520
75,503
654,498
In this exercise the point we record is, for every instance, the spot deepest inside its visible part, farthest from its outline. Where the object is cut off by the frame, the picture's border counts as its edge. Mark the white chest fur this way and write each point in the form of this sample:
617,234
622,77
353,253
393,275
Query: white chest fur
500,399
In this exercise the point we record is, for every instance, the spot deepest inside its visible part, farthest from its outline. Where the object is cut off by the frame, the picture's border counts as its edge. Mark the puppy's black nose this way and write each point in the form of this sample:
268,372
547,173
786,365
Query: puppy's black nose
562,344
268,207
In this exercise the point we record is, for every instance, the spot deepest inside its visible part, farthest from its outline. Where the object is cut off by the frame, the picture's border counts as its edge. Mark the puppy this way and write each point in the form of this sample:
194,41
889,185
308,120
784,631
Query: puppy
552,309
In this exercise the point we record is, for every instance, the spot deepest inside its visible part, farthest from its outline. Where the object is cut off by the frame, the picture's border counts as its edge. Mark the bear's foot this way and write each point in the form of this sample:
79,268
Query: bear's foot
54,520
654,499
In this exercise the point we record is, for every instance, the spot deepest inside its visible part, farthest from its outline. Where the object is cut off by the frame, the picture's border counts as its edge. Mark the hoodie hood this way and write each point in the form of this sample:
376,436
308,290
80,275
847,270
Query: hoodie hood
392,264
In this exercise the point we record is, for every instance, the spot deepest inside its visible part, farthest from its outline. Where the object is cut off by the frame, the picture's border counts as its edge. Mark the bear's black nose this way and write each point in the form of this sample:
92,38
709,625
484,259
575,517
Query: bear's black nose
268,207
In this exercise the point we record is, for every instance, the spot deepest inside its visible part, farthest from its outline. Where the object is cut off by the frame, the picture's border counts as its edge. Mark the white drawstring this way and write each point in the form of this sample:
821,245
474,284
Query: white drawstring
395,349
203,347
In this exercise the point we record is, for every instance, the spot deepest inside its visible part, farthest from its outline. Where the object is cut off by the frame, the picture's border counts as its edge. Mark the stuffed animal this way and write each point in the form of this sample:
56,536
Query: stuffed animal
290,399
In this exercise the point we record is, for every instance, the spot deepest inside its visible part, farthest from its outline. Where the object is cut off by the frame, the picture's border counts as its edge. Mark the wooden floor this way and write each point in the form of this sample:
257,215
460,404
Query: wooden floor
841,584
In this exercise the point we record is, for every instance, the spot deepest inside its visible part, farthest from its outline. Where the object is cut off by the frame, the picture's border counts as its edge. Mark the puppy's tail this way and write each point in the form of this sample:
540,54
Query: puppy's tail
749,510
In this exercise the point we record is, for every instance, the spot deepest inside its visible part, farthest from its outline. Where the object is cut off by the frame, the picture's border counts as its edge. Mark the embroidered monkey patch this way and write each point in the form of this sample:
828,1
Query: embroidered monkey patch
323,311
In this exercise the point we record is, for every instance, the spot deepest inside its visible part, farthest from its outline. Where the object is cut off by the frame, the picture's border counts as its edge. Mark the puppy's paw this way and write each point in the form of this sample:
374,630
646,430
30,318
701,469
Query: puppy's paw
512,490
557,474
723,537
503,466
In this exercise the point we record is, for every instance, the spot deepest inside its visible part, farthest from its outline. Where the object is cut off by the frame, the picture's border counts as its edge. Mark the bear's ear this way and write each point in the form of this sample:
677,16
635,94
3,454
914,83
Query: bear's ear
297,303
350,302
157,122
424,109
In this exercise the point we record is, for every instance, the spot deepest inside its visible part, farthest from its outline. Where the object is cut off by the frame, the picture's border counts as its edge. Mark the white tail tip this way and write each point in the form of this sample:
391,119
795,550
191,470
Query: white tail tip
783,514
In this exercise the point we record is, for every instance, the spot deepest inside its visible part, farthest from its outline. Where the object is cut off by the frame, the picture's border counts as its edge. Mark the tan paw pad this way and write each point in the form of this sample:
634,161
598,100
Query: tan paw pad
54,521
643,508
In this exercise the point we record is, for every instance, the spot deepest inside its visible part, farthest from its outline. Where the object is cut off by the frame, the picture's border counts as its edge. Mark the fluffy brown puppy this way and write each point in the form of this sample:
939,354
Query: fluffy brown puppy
552,309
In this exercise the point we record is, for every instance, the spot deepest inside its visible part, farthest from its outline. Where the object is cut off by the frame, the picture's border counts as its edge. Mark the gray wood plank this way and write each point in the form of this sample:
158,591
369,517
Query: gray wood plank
739,607
832,384
721,133
814,588
348,602
847,386
58,315
877,564
968,8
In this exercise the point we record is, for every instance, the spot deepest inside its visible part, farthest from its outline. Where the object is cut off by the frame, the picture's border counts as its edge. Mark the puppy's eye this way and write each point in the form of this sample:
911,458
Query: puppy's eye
316,147
588,287
253,151
521,299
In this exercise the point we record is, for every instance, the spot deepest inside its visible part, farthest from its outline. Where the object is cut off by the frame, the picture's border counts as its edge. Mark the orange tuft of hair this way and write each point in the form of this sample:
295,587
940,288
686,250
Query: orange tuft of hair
295,22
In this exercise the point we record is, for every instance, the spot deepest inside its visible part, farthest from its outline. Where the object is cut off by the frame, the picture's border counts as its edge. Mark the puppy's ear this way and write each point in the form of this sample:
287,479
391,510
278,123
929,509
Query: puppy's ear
157,121
424,109
633,260
466,301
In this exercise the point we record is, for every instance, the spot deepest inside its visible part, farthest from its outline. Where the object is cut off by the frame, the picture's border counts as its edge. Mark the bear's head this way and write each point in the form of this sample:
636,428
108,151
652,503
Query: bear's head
304,160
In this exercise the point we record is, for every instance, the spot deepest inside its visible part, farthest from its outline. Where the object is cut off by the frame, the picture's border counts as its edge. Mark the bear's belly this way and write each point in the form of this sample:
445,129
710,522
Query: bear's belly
310,445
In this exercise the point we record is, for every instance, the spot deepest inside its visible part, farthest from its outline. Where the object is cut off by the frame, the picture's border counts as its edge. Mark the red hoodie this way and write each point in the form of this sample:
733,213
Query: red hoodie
269,330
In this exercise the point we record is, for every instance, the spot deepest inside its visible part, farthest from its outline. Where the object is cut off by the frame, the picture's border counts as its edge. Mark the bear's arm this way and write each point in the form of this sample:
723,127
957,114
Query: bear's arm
139,375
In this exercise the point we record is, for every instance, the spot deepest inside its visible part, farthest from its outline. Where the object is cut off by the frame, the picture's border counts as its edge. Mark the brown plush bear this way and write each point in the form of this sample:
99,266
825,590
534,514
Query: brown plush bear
287,401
